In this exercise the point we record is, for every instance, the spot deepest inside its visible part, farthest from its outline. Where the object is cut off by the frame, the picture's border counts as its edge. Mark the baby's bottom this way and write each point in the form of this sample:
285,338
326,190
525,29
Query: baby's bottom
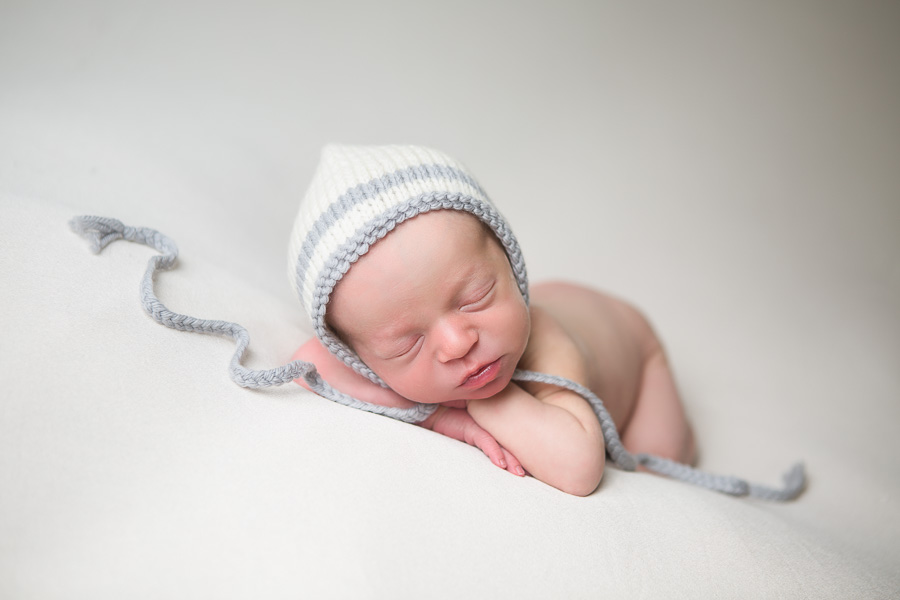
658,424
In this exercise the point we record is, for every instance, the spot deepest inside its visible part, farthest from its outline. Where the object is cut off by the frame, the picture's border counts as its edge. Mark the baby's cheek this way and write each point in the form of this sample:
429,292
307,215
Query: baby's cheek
417,385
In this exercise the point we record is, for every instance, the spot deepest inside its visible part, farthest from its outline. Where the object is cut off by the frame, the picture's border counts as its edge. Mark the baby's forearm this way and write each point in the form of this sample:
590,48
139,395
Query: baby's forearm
556,439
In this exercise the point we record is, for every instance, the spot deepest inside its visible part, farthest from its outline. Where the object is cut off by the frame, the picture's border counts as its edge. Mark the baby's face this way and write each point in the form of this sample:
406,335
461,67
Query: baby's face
434,309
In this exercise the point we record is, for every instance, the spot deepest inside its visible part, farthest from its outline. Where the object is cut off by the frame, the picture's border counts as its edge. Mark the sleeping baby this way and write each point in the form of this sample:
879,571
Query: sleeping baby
416,290
432,306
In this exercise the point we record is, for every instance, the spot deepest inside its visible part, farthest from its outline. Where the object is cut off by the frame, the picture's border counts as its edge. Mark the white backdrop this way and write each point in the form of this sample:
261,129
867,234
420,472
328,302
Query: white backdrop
732,168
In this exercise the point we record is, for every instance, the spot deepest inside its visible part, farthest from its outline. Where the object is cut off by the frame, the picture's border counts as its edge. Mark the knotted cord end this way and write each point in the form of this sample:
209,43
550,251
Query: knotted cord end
99,231
794,482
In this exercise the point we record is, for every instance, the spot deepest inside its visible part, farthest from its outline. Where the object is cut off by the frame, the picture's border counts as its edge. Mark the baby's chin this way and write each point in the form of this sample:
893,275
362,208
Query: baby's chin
497,386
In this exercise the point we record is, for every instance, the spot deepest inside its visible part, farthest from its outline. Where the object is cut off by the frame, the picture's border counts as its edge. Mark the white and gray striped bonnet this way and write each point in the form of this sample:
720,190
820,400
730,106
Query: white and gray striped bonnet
357,196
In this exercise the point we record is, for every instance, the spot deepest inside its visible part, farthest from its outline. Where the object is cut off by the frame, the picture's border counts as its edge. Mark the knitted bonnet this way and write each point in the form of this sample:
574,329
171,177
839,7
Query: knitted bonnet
357,196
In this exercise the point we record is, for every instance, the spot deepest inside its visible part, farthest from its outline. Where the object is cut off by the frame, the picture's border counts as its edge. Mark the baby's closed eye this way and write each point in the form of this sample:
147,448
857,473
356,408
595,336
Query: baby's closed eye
411,345
404,347
480,298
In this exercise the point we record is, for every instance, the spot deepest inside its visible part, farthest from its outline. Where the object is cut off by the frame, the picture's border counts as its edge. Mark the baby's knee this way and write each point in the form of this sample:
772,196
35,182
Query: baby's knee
674,444
688,451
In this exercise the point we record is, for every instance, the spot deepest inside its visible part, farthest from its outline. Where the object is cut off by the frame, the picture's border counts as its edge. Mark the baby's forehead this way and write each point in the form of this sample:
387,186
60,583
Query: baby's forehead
444,227
420,257
432,233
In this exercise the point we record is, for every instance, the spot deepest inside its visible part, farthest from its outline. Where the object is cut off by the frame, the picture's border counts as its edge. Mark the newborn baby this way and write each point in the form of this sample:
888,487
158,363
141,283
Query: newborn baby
435,309
417,293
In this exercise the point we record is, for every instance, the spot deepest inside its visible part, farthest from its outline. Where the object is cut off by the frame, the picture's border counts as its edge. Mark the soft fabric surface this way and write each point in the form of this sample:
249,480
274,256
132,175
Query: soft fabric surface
731,171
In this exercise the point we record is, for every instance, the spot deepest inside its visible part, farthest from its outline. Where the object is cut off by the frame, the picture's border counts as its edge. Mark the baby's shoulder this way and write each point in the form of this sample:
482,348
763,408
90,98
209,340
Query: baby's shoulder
546,328
551,347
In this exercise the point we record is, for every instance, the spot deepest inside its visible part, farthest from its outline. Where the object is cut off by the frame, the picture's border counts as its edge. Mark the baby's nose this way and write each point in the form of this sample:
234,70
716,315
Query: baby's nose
456,339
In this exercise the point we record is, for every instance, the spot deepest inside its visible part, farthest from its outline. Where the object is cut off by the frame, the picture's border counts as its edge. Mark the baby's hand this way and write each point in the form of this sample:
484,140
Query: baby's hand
458,424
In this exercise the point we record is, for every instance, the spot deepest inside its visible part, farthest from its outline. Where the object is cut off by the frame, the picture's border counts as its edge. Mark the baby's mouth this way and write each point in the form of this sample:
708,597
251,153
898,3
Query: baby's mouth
482,375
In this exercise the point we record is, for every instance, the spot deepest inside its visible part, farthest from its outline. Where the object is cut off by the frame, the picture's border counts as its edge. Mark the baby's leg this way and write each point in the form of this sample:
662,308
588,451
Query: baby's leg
658,424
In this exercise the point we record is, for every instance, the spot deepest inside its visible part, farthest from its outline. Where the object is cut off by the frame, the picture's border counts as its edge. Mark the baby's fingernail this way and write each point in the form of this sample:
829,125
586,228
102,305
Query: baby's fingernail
502,464
520,471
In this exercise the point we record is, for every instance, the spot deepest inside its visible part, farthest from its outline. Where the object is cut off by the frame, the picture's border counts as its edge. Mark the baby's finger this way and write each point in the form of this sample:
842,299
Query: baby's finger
487,444
513,464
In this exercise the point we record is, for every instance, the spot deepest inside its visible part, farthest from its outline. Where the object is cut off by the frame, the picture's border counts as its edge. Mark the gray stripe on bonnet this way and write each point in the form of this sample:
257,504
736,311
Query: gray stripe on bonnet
101,231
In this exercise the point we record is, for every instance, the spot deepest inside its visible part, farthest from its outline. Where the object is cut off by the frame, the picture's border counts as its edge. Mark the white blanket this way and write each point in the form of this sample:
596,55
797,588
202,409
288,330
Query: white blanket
733,172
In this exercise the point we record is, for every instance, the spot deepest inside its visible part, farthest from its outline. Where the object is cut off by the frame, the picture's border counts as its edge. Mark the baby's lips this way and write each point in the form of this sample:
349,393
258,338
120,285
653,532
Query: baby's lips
473,376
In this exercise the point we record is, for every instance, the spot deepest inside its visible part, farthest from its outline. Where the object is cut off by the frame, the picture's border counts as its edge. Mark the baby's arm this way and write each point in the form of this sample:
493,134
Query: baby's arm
553,431
557,437
451,419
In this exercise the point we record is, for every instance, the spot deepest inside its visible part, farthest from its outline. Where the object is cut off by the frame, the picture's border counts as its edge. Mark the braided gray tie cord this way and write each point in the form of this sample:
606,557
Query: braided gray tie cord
101,231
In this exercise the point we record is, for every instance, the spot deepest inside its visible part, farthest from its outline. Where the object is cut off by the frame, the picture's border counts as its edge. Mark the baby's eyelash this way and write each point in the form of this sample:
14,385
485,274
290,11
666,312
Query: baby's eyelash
409,349
481,298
